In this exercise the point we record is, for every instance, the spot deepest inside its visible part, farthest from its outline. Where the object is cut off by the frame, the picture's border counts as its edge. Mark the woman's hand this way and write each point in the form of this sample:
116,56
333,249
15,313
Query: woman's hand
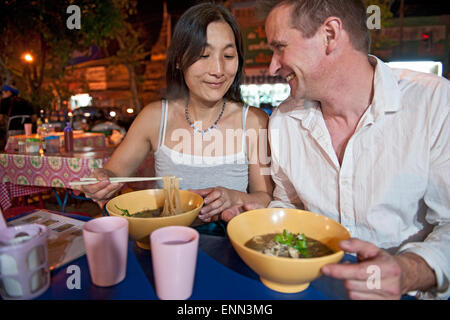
216,200
102,191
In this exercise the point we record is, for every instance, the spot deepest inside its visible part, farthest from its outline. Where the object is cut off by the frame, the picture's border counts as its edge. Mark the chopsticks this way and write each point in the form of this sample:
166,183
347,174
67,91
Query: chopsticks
87,181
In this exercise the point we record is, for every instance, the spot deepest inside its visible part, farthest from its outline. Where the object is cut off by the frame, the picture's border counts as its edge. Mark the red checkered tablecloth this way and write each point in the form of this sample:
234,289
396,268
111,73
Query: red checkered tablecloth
9,191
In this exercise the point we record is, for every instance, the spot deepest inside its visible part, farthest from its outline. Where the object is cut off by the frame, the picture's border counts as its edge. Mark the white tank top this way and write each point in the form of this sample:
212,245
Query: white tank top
198,172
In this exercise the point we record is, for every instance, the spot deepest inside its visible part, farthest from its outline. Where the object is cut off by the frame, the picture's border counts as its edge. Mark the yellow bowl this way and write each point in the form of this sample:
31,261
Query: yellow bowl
279,273
141,228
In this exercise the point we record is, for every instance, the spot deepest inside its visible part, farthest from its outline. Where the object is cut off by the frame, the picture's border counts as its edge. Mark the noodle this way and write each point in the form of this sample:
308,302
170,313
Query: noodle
166,186
172,202
176,193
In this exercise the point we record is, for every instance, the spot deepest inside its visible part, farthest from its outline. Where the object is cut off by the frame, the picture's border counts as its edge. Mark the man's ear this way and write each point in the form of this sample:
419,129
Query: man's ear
332,29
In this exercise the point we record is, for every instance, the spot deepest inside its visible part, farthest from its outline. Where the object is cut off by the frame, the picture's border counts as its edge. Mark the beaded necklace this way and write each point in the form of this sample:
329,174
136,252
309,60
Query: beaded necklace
208,130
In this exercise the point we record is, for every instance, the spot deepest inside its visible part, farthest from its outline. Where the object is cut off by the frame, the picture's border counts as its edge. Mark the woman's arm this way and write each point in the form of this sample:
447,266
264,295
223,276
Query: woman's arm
260,180
128,156
258,152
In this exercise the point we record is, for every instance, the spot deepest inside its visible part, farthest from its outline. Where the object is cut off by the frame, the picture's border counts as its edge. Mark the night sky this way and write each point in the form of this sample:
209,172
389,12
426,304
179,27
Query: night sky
421,7
151,14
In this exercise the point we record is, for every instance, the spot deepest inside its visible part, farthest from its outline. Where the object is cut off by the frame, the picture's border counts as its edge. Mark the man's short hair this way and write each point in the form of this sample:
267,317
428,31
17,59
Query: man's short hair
308,15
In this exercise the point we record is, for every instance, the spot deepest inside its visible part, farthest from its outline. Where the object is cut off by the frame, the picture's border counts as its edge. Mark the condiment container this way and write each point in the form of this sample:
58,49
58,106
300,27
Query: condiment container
21,145
68,138
32,145
52,144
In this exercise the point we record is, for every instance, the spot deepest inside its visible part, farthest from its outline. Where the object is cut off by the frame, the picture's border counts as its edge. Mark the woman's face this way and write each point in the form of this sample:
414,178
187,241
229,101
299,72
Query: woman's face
210,77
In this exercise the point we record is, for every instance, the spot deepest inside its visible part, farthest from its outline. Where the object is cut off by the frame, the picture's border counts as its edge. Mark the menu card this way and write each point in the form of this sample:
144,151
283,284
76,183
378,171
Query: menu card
65,238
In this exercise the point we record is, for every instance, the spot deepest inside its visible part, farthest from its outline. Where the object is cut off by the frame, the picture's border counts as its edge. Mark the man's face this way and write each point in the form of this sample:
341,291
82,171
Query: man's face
6,94
295,58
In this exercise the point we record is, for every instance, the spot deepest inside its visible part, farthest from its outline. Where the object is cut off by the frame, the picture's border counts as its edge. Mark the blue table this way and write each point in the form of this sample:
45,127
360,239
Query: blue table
134,287
220,275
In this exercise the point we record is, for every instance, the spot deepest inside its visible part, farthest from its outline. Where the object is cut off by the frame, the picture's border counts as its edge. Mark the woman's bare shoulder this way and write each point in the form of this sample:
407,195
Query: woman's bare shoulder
151,112
257,118
152,108
146,117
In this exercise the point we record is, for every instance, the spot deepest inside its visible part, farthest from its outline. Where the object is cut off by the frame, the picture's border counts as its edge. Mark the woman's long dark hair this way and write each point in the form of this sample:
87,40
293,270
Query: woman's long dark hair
188,42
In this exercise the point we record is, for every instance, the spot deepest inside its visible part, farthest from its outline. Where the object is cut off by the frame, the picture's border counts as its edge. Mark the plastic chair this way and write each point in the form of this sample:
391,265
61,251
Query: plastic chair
12,132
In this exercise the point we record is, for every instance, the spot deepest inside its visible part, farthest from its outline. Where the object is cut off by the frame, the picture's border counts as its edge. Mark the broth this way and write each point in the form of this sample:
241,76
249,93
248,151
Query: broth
142,214
267,245
148,213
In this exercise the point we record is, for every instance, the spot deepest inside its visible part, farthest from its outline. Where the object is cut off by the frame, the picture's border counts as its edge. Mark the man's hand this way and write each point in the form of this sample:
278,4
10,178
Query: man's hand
231,212
378,274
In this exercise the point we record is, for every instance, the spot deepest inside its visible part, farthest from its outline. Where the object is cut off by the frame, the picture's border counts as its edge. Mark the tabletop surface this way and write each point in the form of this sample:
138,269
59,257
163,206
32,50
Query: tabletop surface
213,280
81,140
87,153
220,275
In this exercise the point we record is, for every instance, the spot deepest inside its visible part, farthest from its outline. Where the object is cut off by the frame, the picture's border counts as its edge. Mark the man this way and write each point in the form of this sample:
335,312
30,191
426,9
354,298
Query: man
363,144
14,112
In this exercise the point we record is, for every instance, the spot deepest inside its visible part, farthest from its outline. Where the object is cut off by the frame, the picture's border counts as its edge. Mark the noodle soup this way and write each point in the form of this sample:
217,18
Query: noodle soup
172,203
288,245
146,205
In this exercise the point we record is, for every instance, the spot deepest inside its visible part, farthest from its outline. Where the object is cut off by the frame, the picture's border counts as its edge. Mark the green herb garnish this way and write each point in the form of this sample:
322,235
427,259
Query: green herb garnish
294,241
124,211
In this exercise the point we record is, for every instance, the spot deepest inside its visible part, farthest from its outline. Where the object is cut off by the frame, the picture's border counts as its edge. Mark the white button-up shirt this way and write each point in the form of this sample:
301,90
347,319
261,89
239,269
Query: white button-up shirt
393,186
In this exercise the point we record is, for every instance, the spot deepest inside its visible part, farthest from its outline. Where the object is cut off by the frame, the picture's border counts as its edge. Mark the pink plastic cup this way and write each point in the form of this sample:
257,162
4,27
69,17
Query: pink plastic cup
106,243
174,257
28,127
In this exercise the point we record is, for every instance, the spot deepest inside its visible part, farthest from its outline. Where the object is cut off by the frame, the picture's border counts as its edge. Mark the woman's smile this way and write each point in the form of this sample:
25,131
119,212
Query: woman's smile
215,85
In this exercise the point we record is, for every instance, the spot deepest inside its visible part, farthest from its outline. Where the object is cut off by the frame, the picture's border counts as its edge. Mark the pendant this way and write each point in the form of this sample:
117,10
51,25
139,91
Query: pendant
208,130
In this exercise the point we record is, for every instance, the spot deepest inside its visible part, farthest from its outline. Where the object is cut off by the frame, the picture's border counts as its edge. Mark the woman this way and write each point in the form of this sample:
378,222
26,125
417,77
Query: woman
202,133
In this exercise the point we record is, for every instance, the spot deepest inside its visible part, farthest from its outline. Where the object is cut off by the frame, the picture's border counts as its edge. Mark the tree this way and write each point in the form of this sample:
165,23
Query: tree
42,31
132,48
379,40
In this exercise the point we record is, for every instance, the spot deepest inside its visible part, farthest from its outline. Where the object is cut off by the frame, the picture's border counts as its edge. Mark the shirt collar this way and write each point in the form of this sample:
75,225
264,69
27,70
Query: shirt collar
303,110
386,98
387,94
